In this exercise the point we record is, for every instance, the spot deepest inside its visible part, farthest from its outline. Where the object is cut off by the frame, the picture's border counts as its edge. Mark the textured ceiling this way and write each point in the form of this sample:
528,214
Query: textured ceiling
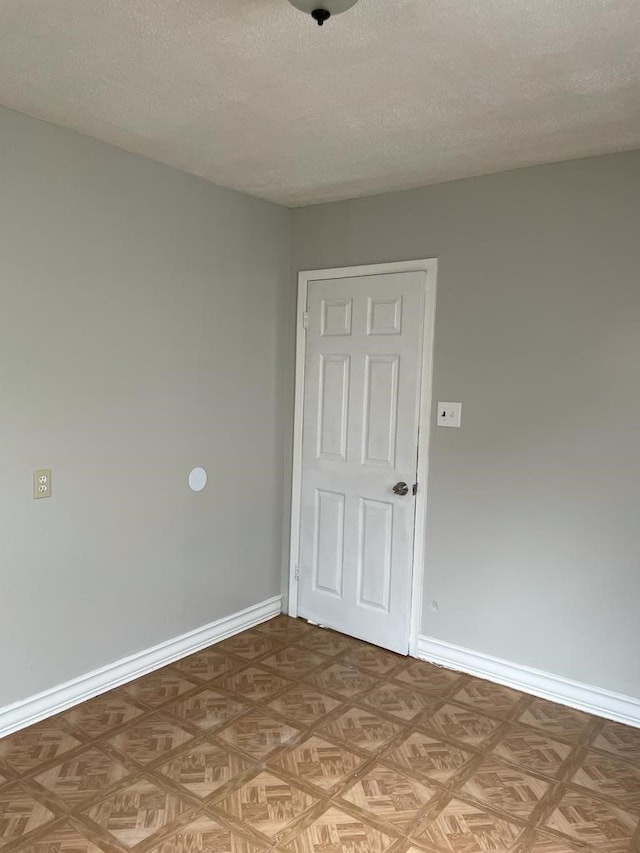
253,95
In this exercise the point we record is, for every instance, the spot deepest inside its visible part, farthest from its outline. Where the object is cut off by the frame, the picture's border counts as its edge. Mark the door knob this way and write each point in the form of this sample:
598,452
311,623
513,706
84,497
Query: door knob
401,489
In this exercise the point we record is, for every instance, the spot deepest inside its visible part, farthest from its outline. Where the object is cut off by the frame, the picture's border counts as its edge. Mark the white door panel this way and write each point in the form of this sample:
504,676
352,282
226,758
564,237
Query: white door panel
360,436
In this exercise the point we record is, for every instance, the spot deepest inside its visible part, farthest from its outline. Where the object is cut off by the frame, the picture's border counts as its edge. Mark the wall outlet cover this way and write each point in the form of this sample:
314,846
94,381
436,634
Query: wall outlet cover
42,483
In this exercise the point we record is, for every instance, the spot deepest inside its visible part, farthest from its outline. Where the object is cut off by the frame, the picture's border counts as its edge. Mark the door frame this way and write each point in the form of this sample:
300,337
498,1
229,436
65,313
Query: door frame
430,267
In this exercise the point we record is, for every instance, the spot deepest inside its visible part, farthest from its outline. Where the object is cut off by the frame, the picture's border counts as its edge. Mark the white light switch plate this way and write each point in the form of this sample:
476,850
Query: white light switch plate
449,414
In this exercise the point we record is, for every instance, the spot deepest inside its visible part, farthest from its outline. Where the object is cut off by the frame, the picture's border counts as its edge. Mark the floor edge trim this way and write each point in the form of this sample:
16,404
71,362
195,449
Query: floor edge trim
564,691
38,707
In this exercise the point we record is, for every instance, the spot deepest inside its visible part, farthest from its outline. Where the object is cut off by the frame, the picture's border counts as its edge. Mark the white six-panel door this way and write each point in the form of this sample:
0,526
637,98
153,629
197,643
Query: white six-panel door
359,441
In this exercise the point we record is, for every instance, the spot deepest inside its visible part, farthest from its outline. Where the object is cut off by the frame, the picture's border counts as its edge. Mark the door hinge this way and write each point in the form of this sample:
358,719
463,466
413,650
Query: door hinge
414,490
305,320
296,573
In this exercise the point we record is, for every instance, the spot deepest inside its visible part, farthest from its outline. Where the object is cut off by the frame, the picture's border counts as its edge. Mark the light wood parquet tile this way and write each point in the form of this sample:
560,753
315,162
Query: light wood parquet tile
293,662
459,723
335,831
304,704
36,745
461,827
361,728
493,699
593,822
370,659
533,750
205,835
428,758
206,709
622,741
557,721
506,788
249,645
612,778
207,665
319,763
286,630
20,814
205,768
407,847
159,687
343,680
293,739
254,683
258,734
67,838
541,843
386,795
402,702
149,739
323,642
102,714
137,811
267,803
83,776
430,678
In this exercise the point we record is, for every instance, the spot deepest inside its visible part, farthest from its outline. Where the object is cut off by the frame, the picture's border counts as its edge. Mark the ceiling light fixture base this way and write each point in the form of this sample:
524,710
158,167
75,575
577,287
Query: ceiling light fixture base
320,16
322,10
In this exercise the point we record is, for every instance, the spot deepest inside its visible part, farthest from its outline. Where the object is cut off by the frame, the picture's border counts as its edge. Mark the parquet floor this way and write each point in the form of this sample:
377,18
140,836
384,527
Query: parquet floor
291,739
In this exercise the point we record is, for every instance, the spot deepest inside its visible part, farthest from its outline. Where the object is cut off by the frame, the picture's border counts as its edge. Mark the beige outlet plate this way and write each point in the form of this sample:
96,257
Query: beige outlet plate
42,483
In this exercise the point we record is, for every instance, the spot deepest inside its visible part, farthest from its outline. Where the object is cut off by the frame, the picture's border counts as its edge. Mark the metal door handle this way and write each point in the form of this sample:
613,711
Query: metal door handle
401,489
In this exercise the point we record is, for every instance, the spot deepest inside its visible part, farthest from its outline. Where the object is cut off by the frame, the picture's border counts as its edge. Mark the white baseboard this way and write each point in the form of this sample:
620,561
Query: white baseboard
583,697
46,704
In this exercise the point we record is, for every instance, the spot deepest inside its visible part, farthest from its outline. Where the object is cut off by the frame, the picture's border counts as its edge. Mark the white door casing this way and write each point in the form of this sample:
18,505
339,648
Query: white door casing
363,388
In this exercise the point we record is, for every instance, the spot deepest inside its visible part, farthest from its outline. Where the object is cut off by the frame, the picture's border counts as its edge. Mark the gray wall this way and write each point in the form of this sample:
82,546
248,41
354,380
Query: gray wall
533,542
146,323
141,321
